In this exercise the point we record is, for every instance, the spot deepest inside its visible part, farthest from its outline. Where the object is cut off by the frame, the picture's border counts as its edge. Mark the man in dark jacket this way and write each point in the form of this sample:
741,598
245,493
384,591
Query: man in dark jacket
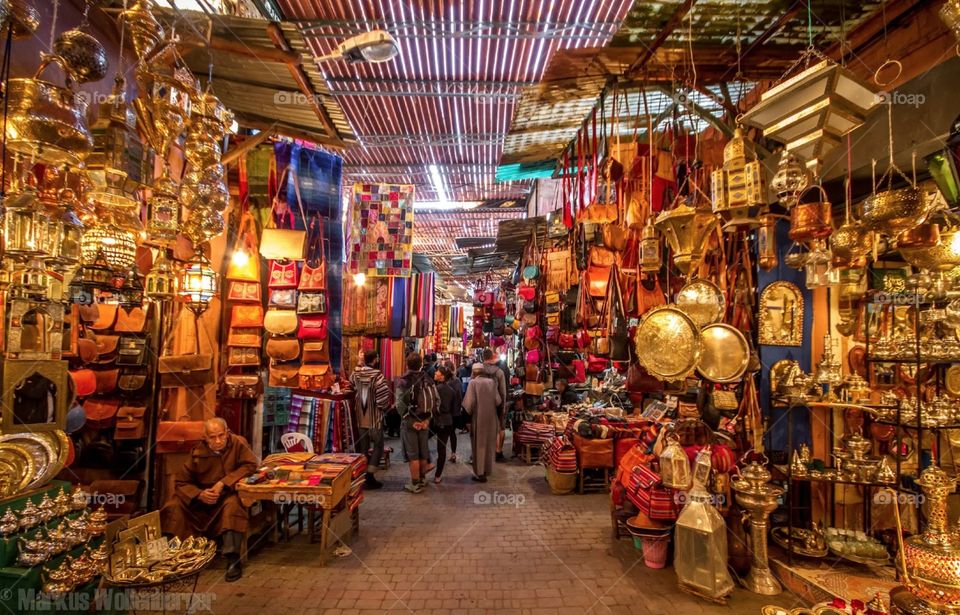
205,501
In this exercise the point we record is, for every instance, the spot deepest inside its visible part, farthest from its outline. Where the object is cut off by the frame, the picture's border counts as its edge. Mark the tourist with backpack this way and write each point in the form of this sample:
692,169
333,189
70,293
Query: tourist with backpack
417,401
481,403
372,401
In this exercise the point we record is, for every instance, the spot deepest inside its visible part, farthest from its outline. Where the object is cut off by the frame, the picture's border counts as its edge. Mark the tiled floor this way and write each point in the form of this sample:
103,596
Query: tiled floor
518,549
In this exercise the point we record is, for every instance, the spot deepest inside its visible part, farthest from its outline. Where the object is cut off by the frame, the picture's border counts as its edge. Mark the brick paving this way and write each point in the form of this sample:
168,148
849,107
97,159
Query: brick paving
519,549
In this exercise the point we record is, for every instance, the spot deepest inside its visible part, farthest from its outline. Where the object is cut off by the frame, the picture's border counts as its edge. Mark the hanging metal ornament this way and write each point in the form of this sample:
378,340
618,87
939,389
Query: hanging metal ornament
738,189
82,54
790,179
21,17
145,31
161,282
163,211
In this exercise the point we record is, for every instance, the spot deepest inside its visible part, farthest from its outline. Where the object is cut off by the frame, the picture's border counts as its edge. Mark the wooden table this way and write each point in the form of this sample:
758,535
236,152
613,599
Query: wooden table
320,498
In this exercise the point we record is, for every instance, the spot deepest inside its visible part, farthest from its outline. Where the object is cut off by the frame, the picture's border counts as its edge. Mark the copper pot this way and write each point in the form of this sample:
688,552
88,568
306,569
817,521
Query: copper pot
814,220
921,236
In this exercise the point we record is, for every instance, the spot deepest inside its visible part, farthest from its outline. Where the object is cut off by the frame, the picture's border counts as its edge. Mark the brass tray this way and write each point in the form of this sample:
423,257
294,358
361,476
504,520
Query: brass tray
43,453
20,457
726,353
703,302
668,343
60,442
780,536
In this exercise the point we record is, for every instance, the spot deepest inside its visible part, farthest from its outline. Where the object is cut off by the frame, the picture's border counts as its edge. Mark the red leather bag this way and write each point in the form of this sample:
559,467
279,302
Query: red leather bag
101,413
84,382
283,274
566,341
597,364
313,328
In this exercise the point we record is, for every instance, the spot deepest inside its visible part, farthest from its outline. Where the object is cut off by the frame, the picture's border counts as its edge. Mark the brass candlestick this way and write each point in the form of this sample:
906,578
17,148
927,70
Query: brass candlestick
759,499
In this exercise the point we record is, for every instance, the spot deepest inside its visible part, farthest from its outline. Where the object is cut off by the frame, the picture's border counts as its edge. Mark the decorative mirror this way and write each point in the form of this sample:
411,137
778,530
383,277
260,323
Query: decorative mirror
781,315
35,396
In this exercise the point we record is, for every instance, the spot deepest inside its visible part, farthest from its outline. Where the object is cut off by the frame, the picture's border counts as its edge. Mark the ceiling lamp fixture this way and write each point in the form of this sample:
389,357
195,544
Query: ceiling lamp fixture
375,46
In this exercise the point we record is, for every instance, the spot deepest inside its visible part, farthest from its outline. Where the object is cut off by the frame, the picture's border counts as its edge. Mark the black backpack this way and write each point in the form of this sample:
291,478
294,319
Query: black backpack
422,397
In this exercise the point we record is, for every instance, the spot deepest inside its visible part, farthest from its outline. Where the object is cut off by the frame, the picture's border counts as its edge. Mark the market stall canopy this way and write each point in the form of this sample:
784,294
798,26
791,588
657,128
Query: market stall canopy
264,72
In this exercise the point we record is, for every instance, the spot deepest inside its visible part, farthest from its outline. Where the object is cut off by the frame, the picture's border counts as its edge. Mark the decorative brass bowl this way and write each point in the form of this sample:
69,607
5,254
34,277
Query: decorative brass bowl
850,243
894,211
942,257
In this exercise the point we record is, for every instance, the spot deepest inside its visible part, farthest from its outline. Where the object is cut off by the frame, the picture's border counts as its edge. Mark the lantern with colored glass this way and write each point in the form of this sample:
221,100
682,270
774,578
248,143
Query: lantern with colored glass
162,279
674,465
944,165
118,246
163,211
700,558
198,285
767,242
649,248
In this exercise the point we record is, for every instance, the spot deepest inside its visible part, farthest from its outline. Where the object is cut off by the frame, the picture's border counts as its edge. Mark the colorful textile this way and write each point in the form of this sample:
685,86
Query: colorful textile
381,239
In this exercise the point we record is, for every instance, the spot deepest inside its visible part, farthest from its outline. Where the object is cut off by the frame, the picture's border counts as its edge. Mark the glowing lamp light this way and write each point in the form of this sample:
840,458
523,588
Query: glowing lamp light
198,285
240,258
359,279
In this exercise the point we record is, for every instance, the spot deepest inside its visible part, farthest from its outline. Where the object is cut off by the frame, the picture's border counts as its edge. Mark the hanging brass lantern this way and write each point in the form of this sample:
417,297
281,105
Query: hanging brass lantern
950,15
675,465
767,257
199,284
118,247
687,231
163,211
145,31
119,157
26,224
738,189
162,280
790,179
132,291
93,276
649,248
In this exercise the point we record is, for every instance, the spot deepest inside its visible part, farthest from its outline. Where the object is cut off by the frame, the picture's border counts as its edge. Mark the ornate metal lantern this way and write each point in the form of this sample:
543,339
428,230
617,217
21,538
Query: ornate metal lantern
767,243
162,279
686,230
198,286
700,558
132,291
94,275
650,248
675,465
25,225
118,246
790,179
163,211
738,189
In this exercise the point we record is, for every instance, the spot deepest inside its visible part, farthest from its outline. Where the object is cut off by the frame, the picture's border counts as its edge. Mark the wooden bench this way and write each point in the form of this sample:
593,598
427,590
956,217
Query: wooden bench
590,480
531,452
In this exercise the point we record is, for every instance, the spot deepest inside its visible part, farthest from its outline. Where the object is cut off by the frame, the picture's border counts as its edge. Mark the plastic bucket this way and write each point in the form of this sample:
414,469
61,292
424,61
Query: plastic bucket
655,551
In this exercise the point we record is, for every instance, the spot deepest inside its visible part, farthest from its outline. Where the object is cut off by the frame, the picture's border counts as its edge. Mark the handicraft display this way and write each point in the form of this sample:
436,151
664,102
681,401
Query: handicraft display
381,242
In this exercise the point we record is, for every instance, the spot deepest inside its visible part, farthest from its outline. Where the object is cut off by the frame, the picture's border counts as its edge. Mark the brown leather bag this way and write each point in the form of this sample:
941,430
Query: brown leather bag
106,316
594,452
243,338
131,382
84,382
101,413
284,375
89,313
129,423
87,347
316,352
188,369
614,237
242,386
107,380
283,348
280,322
317,376
132,321
237,357
107,348
246,316
602,257
178,436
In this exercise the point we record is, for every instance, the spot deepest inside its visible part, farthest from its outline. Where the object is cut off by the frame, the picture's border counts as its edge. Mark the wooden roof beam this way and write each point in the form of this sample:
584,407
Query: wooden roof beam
672,24
300,78
767,34
872,28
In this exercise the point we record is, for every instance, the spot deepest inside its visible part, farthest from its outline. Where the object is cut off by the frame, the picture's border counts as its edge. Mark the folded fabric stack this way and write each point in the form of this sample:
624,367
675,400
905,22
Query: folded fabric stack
357,464
560,454
534,433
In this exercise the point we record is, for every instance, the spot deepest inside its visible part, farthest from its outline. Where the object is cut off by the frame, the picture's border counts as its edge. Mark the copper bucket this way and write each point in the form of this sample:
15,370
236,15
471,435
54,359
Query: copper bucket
814,220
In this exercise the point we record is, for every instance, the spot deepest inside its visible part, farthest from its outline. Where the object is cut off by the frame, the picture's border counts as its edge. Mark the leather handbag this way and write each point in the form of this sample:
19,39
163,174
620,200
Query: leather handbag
129,423
189,369
580,371
283,298
527,292
130,321
596,364
597,279
101,413
106,316
107,348
614,237
132,351
312,303
317,376
131,383
89,312
531,372
283,275
278,242
283,349
178,436
284,375
535,389
246,267
602,257
243,338
84,382
239,357
313,328
244,292
566,341
242,386
87,347
314,274
316,352
280,322
593,452
246,316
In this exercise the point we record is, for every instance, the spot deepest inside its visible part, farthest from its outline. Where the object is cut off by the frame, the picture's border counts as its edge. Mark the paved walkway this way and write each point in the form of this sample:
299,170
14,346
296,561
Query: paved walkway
507,546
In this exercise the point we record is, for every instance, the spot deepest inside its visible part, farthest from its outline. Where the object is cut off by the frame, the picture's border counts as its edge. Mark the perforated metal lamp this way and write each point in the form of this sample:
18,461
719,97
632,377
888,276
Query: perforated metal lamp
198,284
944,165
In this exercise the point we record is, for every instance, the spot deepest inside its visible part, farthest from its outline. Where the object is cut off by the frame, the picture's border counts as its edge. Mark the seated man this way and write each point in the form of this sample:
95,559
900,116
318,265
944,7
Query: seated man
205,501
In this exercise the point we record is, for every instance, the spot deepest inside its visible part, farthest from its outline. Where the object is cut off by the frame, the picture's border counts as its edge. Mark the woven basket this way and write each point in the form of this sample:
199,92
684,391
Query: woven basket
561,483
655,551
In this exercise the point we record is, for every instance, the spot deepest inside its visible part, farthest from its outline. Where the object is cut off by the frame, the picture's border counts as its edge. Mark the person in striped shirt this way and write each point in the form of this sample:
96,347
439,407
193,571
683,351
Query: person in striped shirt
373,399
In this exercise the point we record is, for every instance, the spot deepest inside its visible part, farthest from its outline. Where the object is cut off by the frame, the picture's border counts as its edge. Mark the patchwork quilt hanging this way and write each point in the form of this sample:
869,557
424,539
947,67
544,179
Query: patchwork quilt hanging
381,234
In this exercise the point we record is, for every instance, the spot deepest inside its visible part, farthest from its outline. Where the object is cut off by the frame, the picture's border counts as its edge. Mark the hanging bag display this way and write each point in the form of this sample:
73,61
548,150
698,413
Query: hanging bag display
133,320
281,240
284,275
280,322
245,264
242,386
189,368
246,316
313,328
314,274
132,351
244,292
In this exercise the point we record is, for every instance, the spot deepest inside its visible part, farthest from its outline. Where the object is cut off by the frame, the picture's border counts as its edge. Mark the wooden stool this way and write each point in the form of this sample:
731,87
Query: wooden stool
589,479
531,453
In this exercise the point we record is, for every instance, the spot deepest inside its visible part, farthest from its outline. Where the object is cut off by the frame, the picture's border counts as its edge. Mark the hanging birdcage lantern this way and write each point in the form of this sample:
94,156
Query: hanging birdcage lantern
132,291
700,558
161,282
674,465
198,285
163,211
117,246
94,275
817,266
